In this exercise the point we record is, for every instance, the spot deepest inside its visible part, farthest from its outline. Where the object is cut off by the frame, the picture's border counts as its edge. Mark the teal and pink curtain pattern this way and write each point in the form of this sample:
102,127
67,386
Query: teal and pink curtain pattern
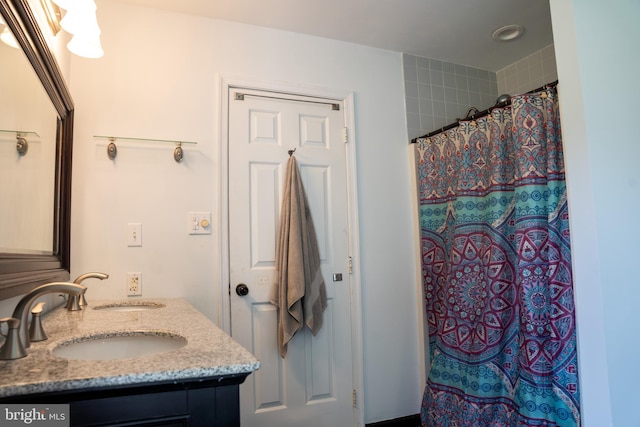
496,264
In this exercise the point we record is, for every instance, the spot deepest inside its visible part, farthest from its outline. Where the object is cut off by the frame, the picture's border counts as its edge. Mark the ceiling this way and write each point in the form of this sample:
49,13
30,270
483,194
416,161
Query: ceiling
457,31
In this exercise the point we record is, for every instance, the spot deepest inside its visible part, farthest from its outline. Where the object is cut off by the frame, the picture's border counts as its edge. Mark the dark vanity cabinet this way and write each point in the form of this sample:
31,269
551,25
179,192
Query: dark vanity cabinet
206,402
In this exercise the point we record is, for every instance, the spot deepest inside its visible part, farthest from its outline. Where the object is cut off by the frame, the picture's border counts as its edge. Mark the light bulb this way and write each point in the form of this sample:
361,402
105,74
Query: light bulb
80,22
86,46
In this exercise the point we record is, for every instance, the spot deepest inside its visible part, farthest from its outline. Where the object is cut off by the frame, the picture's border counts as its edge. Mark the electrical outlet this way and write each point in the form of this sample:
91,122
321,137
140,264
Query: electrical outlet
134,284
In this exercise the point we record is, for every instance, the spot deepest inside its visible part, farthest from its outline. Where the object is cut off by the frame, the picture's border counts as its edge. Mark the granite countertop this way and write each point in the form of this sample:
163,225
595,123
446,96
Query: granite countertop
209,351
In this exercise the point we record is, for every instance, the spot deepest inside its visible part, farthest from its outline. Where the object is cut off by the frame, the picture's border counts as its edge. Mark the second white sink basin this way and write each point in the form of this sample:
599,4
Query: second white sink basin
119,345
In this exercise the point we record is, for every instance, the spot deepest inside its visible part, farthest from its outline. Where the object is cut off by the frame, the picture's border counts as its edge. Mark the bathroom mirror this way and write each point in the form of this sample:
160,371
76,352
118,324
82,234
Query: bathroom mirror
36,135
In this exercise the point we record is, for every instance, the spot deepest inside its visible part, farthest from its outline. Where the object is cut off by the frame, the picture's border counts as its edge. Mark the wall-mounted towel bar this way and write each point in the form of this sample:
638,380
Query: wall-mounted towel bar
112,149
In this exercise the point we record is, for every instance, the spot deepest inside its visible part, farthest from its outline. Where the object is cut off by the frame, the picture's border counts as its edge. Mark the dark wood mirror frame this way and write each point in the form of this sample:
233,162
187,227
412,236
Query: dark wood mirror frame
19,273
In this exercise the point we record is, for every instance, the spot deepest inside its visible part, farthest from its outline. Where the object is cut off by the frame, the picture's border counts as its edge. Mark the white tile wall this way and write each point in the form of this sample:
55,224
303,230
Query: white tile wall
437,93
529,73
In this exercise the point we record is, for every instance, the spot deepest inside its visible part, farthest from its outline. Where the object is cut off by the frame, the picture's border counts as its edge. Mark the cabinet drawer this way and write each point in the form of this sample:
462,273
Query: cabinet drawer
113,410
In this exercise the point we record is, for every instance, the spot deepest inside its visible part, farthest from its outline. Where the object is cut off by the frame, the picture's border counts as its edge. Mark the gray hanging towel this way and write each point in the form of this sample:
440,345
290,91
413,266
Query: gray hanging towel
298,290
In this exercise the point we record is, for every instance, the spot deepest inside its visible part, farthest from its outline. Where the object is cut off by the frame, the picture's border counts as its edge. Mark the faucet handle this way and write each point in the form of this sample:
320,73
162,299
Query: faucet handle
12,323
73,303
36,332
12,347
37,309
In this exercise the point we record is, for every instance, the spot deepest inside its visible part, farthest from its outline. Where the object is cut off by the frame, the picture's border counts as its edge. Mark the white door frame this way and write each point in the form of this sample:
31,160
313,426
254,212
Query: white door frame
222,201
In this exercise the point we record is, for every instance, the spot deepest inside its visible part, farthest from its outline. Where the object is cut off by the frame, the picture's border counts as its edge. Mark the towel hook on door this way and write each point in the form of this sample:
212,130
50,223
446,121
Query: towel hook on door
291,152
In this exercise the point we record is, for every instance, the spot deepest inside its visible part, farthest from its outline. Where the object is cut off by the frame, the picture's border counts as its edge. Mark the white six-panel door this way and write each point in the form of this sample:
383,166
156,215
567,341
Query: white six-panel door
313,385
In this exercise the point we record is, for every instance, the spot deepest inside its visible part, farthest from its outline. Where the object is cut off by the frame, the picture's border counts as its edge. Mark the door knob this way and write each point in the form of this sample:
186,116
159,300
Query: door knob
242,289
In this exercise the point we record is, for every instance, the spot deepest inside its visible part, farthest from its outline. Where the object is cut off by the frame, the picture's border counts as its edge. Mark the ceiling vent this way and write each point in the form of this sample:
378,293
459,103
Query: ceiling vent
508,33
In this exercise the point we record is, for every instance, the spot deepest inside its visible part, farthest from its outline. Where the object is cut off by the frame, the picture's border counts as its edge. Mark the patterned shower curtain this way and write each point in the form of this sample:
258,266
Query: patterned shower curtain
497,275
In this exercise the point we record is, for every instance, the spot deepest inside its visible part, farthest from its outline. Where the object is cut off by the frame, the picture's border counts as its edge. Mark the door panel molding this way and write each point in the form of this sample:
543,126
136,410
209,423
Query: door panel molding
264,222
267,398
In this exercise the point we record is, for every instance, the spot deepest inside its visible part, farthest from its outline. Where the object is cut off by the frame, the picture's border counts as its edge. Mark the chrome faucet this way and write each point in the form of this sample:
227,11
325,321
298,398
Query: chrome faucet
19,320
75,302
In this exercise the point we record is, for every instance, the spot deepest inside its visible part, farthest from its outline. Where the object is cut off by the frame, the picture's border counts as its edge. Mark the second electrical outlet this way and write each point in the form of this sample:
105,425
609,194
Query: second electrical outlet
134,284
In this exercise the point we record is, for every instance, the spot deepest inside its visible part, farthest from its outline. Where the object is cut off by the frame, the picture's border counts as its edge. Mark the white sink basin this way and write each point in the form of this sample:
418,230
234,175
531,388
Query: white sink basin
129,306
119,345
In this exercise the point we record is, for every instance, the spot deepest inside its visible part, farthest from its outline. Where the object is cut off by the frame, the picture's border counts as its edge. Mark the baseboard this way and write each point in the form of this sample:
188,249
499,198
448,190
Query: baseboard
410,421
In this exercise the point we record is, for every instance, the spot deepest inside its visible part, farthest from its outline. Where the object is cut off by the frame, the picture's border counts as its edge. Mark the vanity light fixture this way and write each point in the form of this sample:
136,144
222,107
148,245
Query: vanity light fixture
81,22
81,18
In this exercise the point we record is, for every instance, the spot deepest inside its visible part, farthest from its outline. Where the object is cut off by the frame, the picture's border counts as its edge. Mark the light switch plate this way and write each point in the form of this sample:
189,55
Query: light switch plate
134,234
199,223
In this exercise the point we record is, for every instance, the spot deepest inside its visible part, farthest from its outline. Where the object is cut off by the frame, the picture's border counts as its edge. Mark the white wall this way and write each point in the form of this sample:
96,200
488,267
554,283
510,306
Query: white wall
158,79
596,50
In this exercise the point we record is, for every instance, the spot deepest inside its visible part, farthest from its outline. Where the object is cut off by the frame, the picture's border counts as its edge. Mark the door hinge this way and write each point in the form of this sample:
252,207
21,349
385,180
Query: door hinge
239,96
346,134
354,398
229,289
350,265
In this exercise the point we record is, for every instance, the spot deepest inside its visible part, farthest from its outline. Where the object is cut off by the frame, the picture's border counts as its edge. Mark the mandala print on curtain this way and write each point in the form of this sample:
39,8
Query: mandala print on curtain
497,271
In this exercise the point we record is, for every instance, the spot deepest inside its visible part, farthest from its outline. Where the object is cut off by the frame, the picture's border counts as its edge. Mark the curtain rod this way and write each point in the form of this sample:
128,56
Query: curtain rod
482,113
